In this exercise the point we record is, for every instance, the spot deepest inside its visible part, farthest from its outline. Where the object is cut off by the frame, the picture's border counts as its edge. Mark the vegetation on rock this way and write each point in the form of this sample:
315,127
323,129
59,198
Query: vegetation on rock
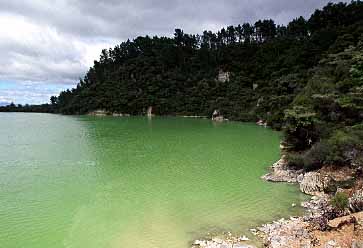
340,201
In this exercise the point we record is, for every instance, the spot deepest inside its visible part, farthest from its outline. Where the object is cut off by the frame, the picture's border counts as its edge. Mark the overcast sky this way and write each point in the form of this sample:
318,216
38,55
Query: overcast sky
47,45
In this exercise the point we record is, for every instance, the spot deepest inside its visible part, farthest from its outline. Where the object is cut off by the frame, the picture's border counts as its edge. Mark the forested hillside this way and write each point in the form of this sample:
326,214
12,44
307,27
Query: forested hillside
269,65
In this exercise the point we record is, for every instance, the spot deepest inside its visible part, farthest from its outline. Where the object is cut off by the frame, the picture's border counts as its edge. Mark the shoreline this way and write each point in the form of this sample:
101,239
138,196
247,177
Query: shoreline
319,226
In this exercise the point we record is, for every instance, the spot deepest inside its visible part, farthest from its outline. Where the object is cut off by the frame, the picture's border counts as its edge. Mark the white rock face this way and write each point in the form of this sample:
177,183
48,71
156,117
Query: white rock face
314,183
98,112
149,112
280,173
223,76
220,243
356,201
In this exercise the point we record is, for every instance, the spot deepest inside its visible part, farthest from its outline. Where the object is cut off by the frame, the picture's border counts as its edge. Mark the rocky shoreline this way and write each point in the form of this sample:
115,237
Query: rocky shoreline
322,225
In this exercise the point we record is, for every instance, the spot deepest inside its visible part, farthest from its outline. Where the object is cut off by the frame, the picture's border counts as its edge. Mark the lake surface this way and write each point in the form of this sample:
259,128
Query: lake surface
80,182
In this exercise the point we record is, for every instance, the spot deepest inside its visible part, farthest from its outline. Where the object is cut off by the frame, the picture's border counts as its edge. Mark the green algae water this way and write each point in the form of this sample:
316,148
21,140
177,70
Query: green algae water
88,182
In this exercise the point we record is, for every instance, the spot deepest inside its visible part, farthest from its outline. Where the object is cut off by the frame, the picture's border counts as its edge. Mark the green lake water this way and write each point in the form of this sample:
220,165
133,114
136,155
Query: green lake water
88,182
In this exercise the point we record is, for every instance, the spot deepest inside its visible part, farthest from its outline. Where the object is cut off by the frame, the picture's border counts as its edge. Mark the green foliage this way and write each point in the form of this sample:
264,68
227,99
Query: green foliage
44,108
295,161
357,67
309,160
344,147
340,201
299,116
178,75
316,156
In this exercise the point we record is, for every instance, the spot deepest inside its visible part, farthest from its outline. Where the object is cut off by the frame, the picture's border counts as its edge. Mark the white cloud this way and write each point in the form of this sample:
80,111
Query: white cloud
31,52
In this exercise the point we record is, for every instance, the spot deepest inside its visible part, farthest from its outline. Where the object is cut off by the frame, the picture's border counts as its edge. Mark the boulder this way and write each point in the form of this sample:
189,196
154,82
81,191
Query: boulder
348,219
356,201
216,116
286,234
281,173
313,183
341,221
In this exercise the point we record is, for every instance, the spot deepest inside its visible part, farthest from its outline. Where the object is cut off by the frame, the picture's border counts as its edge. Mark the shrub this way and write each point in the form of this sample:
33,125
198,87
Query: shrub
316,156
295,161
340,201
343,146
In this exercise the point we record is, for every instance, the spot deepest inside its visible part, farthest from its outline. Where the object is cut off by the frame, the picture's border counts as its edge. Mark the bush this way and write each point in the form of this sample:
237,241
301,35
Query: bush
340,201
344,146
295,161
315,157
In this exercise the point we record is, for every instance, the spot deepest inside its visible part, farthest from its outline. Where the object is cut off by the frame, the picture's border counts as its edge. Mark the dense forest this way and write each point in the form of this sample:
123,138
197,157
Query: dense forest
305,78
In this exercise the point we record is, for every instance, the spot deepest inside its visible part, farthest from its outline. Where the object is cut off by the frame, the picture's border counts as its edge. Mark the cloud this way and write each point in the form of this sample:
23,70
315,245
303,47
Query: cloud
29,92
35,53
55,42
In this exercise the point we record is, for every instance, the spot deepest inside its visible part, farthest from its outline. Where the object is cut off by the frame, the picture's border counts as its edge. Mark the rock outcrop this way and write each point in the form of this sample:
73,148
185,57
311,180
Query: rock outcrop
216,116
314,183
345,220
322,225
261,123
281,173
223,76
228,241
99,112
102,112
356,201
149,112
298,232
286,234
